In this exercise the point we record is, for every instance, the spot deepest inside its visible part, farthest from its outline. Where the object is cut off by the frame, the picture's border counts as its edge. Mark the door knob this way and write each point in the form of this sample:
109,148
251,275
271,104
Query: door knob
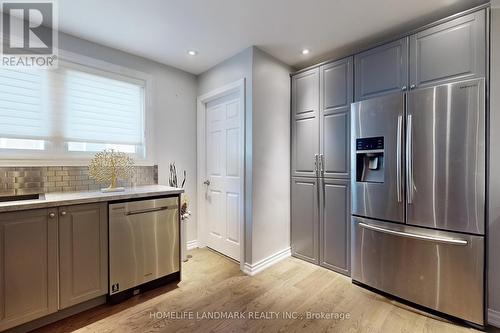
63,213
52,215
413,86
403,88
207,182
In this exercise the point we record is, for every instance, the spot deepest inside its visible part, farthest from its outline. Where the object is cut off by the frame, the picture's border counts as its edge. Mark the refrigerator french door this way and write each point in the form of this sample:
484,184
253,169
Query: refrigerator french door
376,162
418,196
446,157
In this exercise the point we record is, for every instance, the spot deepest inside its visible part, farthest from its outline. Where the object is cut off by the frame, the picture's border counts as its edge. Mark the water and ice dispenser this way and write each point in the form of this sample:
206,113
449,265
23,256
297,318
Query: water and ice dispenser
370,160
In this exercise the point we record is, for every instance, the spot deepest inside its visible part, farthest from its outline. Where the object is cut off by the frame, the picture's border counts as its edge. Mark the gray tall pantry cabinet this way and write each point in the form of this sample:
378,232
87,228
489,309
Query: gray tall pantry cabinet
321,100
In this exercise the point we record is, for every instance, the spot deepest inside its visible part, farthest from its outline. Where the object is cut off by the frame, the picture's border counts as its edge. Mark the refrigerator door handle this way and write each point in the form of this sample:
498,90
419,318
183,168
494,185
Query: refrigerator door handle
399,157
435,239
409,160
316,164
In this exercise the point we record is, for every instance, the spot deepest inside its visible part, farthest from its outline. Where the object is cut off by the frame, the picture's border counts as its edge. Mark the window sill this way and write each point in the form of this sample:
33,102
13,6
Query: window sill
59,162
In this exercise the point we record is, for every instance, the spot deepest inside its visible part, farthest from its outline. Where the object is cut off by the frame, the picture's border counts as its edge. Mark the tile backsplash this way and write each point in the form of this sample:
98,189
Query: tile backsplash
33,180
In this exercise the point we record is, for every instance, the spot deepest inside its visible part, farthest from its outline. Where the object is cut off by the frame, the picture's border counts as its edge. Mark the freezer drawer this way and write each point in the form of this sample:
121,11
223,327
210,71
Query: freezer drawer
439,270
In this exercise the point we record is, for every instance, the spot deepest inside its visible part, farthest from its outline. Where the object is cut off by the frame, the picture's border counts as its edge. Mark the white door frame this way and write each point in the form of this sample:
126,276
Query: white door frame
235,87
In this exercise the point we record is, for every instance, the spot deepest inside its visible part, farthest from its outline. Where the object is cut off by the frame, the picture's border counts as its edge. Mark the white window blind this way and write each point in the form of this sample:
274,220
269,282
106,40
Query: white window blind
98,109
70,105
23,114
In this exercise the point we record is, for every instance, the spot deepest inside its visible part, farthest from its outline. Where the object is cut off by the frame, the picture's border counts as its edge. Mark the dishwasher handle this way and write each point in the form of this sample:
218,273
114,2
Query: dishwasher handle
150,210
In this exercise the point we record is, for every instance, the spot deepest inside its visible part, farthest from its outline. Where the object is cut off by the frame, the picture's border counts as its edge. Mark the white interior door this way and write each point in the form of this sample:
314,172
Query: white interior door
224,179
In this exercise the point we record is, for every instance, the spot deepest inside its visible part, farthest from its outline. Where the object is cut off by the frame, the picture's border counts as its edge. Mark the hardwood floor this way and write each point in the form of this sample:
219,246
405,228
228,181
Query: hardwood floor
213,284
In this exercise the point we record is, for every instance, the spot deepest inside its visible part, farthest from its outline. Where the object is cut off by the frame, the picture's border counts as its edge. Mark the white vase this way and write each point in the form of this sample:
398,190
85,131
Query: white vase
184,257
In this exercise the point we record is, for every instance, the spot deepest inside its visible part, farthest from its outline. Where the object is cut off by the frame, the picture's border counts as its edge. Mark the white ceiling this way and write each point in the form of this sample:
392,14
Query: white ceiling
163,30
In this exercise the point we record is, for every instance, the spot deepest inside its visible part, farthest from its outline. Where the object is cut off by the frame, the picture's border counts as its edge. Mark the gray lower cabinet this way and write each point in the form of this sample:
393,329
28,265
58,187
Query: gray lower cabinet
320,222
28,262
381,70
454,50
336,93
51,259
305,215
83,253
334,225
305,122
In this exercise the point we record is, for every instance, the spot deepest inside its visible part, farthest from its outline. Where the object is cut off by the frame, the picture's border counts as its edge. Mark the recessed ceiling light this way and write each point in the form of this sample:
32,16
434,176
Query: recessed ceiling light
192,52
305,51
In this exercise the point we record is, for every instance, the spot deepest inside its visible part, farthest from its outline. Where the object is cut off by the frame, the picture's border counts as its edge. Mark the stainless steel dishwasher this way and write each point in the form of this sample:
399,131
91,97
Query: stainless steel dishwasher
144,248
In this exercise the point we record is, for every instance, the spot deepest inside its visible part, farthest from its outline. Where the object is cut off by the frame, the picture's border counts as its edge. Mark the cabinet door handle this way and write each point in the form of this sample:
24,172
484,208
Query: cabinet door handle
413,86
52,215
322,163
403,88
63,213
316,163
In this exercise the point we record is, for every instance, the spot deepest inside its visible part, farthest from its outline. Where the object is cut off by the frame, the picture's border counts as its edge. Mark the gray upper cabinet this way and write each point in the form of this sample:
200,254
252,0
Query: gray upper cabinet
28,266
83,253
305,217
336,85
336,89
305,120
334,225
454,50
381,70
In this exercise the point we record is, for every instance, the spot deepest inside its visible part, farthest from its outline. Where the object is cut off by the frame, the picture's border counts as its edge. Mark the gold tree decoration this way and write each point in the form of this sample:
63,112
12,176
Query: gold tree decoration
109,165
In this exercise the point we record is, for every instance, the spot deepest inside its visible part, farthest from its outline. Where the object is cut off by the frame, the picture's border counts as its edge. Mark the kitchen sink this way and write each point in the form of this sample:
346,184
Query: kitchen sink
38,196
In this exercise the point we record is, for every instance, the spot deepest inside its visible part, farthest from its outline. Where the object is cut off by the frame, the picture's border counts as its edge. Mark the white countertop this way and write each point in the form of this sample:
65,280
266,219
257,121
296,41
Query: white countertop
74,198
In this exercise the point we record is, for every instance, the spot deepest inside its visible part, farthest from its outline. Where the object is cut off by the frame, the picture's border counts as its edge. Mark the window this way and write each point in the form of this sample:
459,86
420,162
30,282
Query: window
6,143
74,109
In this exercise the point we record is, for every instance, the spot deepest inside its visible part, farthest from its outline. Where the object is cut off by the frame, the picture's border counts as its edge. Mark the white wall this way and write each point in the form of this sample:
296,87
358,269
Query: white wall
267,147
231,70
271,156
494,178
174,108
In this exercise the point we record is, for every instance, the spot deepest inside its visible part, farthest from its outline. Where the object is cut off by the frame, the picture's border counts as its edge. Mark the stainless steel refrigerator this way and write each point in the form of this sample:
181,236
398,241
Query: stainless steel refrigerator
418,196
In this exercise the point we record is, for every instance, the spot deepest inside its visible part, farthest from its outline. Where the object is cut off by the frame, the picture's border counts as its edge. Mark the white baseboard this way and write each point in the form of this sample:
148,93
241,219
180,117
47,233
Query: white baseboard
494,318
192,244
252,269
